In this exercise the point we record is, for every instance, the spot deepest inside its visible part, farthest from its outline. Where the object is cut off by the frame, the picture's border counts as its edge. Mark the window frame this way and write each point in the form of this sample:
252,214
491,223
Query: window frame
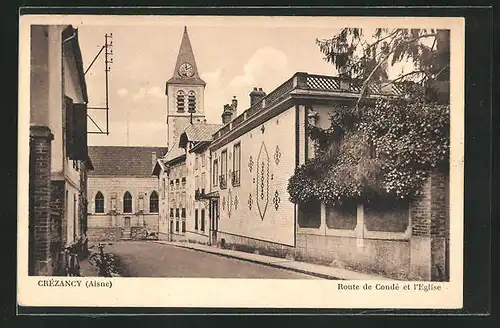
127,200
153,193
223,157
191,97
180,95
100,199
236,170
215,174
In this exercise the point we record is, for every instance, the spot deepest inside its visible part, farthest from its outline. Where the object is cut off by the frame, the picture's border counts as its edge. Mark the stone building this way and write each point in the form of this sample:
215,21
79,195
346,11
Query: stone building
58,147
258,151
185,169
124,196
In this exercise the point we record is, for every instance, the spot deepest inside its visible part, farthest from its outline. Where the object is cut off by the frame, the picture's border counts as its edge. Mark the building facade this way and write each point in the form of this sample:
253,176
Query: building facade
258,151
251,157
58,147
123,195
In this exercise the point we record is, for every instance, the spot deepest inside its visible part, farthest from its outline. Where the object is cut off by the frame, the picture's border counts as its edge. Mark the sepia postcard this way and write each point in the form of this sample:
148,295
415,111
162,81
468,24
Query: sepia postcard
241,161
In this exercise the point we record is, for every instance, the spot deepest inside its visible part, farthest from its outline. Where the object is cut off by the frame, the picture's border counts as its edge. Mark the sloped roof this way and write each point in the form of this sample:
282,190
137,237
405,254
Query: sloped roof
123,161
186,55
173,153
198,132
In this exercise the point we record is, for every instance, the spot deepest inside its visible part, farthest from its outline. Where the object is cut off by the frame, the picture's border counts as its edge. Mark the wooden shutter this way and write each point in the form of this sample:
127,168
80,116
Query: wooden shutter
80,131
69,126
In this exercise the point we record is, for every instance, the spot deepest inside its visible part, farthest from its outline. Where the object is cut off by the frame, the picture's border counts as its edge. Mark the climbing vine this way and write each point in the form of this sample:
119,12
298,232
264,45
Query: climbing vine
384,149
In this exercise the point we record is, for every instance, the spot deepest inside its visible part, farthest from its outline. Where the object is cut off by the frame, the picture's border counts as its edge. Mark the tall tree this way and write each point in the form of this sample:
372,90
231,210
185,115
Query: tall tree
383,148
366,58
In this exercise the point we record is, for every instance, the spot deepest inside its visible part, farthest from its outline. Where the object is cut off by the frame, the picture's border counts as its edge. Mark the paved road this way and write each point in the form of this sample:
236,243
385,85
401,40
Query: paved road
149,259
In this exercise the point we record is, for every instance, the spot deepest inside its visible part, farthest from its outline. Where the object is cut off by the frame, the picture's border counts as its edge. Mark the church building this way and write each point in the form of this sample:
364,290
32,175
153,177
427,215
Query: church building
123,196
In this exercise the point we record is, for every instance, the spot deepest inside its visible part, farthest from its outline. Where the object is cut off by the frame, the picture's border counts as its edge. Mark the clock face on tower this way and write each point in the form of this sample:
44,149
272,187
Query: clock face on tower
186,70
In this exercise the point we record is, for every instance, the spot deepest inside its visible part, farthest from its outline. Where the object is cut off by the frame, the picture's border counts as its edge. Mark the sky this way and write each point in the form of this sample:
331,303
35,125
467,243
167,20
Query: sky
231,60
233,55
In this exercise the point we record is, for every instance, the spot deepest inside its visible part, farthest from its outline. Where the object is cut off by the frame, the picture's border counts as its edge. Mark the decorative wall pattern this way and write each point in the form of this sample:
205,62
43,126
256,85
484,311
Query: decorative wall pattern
262,180
277,155
250,164
236,201
230,203
250,202
223,203
276,200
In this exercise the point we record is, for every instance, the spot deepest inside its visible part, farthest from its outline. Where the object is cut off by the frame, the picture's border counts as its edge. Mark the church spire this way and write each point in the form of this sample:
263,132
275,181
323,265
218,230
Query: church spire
186,71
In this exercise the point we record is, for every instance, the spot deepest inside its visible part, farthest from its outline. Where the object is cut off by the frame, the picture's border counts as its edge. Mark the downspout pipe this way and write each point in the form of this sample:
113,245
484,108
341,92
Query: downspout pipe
64,41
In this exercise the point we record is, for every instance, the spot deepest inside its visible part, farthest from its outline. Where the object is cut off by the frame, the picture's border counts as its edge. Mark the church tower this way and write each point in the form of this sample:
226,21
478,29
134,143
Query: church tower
184,93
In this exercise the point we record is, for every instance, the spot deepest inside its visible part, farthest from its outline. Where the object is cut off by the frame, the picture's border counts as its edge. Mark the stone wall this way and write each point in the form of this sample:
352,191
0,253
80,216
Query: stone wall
104,234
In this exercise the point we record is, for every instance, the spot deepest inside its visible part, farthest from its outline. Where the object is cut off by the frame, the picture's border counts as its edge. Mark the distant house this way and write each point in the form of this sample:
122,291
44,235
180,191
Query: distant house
124,196
58,147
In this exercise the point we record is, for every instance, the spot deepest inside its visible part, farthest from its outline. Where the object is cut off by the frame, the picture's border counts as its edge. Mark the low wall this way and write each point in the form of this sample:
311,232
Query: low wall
247,244
104,234
386,257
197,237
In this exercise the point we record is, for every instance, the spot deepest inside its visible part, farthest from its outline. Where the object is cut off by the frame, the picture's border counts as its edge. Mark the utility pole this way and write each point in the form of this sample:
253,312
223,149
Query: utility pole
108,53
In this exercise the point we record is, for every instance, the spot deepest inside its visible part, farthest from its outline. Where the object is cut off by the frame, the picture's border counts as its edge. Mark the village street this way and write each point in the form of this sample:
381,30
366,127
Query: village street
150,259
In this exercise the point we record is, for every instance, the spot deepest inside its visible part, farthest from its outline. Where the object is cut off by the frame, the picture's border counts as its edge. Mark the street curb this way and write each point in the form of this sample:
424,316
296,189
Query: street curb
274,265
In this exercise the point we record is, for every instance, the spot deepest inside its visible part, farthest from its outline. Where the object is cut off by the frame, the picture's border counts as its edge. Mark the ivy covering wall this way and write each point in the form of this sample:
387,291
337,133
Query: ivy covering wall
383,149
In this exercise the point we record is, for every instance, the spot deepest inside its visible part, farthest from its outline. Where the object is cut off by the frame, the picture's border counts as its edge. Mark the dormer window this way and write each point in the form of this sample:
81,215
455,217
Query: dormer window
191,102
180,101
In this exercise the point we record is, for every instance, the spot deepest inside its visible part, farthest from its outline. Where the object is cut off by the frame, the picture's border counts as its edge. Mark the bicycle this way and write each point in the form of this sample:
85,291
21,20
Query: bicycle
100,259
71,262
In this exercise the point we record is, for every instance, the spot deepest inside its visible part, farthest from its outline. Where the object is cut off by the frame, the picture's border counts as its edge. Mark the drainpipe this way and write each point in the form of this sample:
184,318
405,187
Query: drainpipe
63,93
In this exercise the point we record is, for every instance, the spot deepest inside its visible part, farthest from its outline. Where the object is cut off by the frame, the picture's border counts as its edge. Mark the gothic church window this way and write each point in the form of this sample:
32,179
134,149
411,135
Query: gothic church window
191,102
99,203
180,101
127,203
153,202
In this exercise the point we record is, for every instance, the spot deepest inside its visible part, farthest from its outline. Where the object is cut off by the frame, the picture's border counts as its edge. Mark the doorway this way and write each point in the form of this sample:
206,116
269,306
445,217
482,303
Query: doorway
214,221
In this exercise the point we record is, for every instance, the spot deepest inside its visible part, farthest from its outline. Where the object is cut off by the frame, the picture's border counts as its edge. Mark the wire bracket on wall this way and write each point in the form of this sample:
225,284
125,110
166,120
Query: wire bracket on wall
108,59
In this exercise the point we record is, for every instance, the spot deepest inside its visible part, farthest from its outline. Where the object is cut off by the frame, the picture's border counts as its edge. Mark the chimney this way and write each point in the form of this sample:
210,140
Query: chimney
153,158
227,114
234,104
256,95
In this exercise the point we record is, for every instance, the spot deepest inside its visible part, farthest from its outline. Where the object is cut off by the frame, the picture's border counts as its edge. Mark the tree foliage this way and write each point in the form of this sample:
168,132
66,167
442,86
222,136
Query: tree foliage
386,147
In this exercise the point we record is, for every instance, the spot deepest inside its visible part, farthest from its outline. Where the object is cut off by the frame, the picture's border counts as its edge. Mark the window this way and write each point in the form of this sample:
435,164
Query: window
202,219
99,203
215,170
223,169
196,219
203,181
196,165
191,102
203,160
309,215
236,164
171,212
163,189
127,203
153,202
196,182
180,101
